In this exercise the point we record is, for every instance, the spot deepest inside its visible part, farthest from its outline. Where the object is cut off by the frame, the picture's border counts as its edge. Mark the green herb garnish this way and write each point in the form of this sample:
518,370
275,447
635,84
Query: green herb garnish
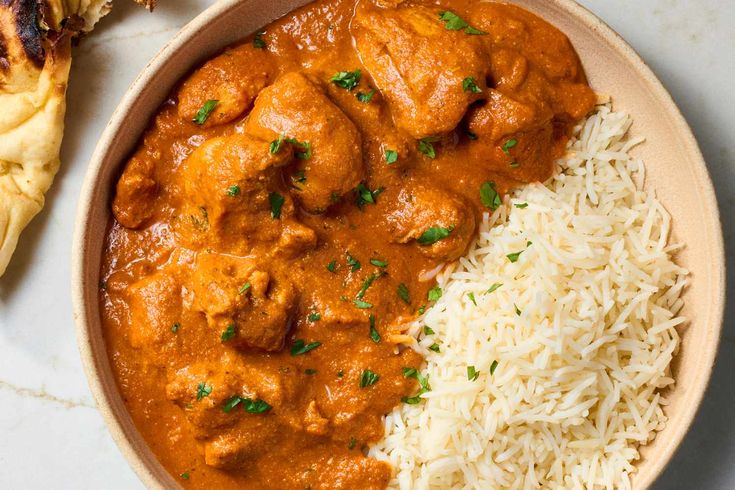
391,156
233,190
368,378
403,293
508,145
175,327
346,79
258,42
435,347
229,333
374,335
470,85
244,288
489,196
518,311
365,97
471,295
203,114
314,317
522,205
332,266
435,293
353,263
276,201
352,443
428,330
203,390
494,287
454,22
363,305
434,234
379,263
472,373
493,367
365,195
300,347
426,146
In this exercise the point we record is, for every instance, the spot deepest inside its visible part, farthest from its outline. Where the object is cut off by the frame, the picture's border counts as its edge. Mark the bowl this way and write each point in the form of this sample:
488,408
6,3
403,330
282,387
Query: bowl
675,171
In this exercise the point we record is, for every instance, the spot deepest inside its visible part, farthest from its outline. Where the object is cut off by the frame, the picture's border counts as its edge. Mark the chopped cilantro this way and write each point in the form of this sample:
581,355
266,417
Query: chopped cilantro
346,79
374,335
233,190
508,145
470,85
435,293
472,373
489,196
276,201
493,367
391,156
300,347
471,295
426,146
454,22
353,263
494,287
403,293
368,378
434,234
229,333
332,266
258,42
363,305
314,317
365,97
203,114
203,390
379,263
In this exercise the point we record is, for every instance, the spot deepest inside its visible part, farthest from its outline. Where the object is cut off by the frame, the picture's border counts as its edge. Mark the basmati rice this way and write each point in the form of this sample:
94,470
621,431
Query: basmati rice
579,337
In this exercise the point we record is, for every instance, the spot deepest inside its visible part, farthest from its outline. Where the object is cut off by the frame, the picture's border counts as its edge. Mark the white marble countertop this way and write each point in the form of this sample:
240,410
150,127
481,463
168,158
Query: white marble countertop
52,434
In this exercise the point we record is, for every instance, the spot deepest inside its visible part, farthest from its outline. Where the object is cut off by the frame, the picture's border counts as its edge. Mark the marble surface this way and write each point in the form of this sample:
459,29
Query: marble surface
52,434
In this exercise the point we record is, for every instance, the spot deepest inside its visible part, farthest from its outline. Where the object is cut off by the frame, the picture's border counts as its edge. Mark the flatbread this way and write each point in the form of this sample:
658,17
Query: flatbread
35,57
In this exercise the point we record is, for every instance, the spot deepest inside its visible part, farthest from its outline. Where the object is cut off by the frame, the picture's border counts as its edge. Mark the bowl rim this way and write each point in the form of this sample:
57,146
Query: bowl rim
91,359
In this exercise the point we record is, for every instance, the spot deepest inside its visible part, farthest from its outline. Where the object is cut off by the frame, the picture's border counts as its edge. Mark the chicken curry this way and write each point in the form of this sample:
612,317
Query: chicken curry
286,212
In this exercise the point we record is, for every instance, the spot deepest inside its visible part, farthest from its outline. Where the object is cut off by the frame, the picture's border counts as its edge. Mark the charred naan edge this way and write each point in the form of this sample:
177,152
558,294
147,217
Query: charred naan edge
35,57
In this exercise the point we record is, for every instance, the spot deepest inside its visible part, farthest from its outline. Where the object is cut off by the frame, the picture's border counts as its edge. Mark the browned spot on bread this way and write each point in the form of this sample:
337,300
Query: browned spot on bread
26,23
4,62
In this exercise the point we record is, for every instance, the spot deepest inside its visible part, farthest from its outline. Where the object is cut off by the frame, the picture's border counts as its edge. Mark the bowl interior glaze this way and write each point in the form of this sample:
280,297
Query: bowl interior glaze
675,171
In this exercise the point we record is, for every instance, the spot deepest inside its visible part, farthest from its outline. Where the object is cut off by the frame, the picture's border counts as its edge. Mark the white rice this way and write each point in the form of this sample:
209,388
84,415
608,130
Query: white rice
580,372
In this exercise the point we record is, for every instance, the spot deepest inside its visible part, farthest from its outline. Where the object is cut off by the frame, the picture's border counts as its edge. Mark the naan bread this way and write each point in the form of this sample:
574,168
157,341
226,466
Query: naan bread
35,57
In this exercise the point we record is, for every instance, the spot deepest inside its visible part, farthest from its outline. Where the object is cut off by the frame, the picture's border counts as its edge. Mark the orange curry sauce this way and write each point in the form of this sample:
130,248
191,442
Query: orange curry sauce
257,238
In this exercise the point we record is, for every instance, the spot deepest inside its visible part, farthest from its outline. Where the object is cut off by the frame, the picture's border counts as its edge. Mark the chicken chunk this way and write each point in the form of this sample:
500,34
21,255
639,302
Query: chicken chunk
233,188
135,192
440,222
233,79
236,295
155,305
424,70
329,145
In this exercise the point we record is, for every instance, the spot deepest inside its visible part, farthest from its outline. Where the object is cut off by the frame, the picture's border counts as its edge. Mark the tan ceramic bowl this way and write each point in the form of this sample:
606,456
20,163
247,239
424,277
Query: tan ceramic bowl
676,172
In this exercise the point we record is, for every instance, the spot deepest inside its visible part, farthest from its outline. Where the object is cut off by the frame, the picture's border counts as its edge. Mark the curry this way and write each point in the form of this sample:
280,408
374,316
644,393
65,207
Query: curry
286,213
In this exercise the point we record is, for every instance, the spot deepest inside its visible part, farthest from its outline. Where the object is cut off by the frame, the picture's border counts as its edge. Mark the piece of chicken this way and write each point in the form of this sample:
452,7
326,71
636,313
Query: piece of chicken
233,79
440,222
155,305
237,296
327,144
233,188
419,66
